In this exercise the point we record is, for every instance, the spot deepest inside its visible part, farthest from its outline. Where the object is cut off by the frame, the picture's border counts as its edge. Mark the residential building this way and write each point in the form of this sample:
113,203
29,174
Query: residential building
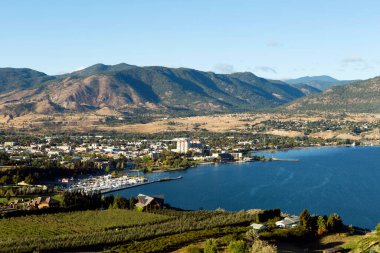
257,227
183,145
149,202
288,222
237,156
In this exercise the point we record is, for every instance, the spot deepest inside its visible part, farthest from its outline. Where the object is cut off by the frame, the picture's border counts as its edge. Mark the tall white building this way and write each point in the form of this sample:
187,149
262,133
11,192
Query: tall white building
183,145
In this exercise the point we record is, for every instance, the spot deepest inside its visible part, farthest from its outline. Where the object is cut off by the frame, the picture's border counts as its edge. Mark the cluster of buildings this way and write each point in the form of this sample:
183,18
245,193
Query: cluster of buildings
185,145
287,222
33,204
102,150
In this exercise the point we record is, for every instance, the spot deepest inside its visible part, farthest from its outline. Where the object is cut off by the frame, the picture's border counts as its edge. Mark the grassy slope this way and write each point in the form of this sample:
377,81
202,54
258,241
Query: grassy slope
49,226
96,230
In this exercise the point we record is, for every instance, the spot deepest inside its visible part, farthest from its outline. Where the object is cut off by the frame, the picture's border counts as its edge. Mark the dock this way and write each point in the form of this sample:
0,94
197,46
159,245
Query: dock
123,187
285,160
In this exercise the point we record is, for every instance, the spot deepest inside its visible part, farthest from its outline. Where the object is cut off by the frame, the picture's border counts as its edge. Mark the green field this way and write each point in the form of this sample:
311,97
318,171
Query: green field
98,230
51,225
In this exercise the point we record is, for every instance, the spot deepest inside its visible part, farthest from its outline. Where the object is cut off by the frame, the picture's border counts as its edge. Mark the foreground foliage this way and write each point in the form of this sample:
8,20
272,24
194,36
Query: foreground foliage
172,242
95,230
50,226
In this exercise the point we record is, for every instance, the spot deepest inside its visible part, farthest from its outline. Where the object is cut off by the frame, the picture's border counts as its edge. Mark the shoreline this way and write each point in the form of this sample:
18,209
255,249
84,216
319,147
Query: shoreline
255,151
329,146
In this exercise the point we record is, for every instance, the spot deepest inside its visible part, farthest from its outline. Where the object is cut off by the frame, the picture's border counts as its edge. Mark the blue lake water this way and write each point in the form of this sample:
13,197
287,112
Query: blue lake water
326,180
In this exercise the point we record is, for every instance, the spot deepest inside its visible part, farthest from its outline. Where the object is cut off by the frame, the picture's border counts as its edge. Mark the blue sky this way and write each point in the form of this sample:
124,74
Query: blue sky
272,38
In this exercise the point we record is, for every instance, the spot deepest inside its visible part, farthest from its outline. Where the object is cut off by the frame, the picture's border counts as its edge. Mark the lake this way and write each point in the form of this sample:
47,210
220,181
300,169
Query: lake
342,180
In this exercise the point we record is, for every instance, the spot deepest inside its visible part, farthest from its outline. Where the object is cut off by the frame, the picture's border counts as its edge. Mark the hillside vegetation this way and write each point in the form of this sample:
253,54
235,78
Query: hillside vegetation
96,230
362,96
131,89
318,82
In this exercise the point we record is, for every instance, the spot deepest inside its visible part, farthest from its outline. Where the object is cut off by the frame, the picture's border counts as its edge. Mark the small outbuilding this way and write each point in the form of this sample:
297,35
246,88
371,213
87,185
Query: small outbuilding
145,202
288,222
257,226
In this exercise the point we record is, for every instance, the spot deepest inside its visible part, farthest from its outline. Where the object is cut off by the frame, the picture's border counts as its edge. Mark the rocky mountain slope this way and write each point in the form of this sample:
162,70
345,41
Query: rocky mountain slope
127,88
361,96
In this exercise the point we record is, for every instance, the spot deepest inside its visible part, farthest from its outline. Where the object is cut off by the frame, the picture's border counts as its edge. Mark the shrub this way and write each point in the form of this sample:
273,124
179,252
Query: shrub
268,214
237,247
263,247
193,249
211,246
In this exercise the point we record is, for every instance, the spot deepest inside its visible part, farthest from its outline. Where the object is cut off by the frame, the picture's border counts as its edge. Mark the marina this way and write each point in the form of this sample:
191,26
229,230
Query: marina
108,183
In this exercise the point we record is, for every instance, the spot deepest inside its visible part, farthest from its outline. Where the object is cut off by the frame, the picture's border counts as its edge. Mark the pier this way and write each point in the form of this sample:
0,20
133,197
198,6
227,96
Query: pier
123,187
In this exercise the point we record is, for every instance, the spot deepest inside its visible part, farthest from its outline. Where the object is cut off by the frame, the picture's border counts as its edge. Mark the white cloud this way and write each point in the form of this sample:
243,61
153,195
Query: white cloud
265,69
349,60
273,44
224,68
356,63
70,71
79,68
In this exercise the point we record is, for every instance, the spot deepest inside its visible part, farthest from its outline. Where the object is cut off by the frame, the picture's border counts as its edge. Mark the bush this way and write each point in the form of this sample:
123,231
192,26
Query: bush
237,247
193,249
211,246
268,215
295,234
120,202
263,247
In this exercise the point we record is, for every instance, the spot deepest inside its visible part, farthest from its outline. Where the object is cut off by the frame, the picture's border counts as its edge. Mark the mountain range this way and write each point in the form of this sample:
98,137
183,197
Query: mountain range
360,96
319,82
132,89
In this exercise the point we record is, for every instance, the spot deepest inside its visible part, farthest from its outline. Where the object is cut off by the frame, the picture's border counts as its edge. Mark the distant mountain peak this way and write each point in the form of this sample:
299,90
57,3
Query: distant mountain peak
320,78
357,96
101,68
321,82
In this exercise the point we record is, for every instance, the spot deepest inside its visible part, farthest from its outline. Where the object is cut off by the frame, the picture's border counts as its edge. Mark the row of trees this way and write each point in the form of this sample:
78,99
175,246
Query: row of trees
80,200
118,202
234,246
320,224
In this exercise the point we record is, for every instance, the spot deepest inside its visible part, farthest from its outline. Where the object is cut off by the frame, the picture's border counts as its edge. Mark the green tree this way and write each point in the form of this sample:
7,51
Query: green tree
334,223
378,231
131,202
8,195
120,202
184,163
29,179
237,247
305,220
4,179
107,201
251,235
322,226
211,246
16,179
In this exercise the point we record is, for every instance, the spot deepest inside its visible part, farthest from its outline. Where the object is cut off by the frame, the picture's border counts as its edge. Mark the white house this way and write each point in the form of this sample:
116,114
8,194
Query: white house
257,227
288,222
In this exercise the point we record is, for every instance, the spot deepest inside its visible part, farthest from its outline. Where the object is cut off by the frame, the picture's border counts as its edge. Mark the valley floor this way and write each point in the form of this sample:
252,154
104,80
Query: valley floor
314,125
